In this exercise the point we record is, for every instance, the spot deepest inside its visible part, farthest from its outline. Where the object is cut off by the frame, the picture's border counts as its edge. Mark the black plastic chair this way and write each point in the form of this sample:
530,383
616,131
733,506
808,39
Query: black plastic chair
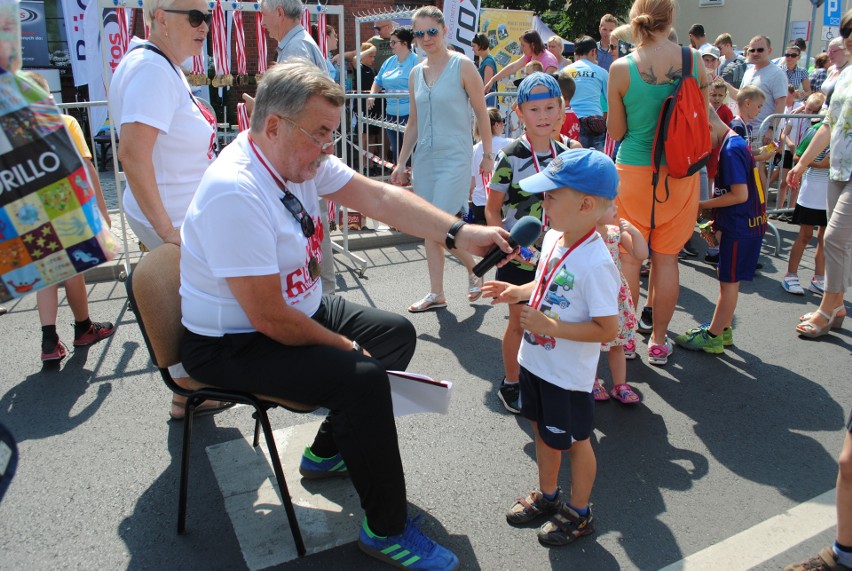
153,291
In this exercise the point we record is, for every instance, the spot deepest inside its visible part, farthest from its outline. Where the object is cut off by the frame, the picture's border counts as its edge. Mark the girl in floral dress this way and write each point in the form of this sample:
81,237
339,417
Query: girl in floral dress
618,231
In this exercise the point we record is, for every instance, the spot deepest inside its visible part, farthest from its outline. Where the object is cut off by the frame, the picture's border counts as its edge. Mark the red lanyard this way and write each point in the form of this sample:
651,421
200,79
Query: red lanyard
547,277
272,173
537,166
535,158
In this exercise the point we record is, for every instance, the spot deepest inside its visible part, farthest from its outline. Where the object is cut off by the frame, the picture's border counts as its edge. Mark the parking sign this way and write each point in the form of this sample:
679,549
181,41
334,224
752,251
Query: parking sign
832,13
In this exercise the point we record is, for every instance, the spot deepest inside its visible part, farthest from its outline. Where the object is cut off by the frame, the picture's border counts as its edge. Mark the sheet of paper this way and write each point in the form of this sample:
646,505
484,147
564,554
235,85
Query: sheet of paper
414,393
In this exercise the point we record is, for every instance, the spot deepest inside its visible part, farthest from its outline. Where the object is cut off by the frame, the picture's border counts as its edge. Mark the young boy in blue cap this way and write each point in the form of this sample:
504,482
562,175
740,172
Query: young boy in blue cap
540,108
573,308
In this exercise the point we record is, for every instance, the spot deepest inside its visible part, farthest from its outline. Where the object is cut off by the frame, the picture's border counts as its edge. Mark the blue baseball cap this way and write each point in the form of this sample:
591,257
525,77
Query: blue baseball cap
534,80
584,170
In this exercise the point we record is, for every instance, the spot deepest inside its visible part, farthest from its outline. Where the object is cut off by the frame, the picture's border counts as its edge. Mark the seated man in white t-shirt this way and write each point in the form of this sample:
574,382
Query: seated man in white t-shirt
253,307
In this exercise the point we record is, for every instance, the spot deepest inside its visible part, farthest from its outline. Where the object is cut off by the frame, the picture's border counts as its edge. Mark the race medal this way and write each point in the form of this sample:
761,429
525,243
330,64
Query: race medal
314,268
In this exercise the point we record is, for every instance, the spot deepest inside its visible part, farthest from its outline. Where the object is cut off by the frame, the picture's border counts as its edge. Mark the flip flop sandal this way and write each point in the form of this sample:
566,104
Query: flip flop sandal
474,285
599,392
204,409
624,394
431,301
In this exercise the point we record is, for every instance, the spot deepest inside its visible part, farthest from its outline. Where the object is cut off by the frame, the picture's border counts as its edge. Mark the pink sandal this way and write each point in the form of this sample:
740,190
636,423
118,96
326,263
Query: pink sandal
599,392
625,394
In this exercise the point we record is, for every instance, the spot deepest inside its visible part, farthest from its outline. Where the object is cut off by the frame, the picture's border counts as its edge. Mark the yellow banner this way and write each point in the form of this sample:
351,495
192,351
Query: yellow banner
503,28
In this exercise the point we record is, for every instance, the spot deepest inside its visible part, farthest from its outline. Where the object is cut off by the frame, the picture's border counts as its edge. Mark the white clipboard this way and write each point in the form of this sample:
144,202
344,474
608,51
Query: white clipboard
413,393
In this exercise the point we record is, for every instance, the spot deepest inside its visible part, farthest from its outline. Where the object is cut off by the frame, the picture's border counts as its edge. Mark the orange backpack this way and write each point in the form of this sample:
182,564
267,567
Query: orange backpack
683,130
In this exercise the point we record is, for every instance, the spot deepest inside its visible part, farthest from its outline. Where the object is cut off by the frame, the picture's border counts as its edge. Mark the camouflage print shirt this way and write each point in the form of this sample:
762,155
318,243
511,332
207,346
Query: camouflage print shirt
515,163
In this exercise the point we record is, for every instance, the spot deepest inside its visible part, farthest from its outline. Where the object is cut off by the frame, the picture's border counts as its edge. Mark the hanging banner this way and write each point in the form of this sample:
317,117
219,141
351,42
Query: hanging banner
74,12
462,17
503,28
98,47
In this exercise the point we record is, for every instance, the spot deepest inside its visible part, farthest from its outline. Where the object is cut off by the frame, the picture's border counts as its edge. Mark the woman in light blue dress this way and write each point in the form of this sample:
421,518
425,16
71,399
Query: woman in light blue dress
439,124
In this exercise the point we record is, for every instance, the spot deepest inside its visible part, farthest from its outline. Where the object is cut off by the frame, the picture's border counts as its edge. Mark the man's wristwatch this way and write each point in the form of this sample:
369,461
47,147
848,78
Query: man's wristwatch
450,240
357,348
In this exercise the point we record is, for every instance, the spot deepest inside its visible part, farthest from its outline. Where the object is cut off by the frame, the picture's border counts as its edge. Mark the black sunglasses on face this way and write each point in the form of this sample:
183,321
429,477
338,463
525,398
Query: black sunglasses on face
196,17
294,207
431,31
791,55
845,32
756,50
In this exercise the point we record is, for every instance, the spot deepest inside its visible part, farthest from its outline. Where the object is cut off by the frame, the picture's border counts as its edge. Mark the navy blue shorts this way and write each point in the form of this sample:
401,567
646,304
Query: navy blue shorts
738,258
562,415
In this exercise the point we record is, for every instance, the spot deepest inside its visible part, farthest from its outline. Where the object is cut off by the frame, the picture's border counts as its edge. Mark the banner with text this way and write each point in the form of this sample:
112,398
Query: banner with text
74,12
503,29
462,17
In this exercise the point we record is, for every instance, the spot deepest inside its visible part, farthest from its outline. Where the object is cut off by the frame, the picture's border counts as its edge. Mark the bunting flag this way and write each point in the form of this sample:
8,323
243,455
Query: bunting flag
262,56
240,48
322,36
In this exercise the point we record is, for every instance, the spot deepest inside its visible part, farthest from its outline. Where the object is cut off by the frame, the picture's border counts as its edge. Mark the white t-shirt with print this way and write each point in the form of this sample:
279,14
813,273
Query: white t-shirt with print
586,286
145,89
237,226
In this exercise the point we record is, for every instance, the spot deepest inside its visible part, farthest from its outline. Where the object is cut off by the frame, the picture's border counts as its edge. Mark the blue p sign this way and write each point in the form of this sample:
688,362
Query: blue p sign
832,13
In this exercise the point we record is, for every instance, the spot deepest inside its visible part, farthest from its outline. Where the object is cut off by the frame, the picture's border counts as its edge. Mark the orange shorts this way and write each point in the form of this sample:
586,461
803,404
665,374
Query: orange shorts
674,219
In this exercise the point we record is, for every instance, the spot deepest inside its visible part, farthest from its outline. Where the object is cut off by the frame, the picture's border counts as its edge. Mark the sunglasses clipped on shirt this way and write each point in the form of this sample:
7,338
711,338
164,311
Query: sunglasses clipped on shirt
756,50
295,207
431,31
196,17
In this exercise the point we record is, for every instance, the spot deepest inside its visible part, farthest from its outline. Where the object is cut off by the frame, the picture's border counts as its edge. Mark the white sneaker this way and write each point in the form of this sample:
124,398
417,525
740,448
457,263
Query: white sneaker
791,285
817,285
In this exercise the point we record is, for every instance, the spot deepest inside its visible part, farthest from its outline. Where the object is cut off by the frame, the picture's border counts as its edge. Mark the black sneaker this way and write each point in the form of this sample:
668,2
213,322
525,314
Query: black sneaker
646,321
510,395
712,259
566,526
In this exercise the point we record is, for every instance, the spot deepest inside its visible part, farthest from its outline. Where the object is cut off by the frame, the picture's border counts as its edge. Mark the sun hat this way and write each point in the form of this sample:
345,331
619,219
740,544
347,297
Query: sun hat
709,50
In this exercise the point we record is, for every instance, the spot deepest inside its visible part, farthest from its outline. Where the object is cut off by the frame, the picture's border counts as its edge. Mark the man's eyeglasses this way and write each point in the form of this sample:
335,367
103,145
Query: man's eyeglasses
394,42
196,17
431,31
756,50
791,55
335,135
294,207
845,32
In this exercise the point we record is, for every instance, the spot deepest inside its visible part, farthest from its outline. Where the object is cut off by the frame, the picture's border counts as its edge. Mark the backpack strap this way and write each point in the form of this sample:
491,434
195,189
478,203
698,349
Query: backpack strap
686,64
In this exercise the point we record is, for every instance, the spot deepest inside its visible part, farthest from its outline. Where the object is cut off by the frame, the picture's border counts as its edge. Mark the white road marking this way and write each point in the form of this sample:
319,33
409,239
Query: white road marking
765,540
248,486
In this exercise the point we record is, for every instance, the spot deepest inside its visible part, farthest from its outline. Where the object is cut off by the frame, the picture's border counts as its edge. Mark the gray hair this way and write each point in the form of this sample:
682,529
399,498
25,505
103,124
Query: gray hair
292,8
429,12
286,88
151,6
836,42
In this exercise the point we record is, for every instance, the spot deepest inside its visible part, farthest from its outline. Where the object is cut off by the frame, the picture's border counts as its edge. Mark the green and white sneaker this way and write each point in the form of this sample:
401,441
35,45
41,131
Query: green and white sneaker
727,333
699,339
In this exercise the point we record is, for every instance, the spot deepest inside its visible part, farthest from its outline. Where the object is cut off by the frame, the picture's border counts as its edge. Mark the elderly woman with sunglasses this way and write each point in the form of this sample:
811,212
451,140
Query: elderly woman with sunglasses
166,136
440,89
838,233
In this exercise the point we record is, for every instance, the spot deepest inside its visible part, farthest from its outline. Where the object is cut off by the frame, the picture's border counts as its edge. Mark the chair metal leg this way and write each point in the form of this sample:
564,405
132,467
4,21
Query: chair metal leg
184,464
256,429
263,419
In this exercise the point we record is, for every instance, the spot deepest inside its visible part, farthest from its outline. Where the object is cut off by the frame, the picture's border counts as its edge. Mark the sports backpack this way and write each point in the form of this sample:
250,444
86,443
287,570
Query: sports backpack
683,130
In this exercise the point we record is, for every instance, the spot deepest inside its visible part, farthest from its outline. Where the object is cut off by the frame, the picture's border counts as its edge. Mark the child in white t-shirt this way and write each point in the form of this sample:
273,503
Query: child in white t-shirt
573,308
478,181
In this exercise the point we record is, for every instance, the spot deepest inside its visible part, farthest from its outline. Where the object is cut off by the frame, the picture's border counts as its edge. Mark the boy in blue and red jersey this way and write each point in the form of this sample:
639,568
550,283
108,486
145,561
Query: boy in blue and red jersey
741,217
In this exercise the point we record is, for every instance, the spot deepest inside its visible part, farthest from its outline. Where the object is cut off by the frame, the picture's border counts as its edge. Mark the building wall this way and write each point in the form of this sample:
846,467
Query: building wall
744,19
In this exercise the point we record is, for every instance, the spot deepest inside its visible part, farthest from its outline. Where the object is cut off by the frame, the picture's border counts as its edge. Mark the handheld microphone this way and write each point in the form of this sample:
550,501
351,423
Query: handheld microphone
523,233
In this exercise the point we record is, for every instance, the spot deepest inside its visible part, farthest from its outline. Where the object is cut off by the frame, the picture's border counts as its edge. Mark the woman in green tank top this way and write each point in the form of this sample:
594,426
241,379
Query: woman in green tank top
638,84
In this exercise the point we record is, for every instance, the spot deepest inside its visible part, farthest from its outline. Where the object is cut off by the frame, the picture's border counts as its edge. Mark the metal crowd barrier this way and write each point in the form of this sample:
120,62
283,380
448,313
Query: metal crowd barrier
773,121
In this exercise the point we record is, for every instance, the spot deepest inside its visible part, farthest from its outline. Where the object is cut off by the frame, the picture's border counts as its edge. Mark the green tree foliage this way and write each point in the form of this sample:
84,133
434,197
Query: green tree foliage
572,19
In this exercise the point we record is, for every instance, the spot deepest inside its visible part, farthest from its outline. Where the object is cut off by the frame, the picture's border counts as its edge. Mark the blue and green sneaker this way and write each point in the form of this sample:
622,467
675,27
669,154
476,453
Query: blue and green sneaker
698,339
727,333
312,467
412,549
